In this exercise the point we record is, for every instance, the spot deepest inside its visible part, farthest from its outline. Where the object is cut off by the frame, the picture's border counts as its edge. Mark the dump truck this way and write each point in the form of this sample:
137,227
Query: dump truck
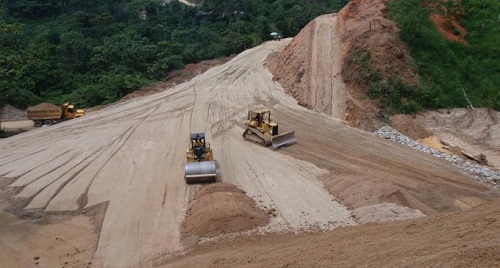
200,166
49,114
262,130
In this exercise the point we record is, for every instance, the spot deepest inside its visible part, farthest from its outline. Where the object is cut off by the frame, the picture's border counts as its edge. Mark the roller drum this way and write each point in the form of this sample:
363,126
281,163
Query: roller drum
196,172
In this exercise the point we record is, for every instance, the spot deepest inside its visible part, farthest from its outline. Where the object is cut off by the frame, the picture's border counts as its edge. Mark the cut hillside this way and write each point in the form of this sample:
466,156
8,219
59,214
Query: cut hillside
329,64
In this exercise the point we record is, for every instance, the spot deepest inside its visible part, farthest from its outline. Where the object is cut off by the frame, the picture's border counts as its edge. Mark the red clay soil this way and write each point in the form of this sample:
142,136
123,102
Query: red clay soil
365,28
221,208
447,21
446,26
467,239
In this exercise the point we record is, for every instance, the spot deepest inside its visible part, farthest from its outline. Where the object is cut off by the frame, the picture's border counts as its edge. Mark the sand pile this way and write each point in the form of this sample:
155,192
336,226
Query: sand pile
222,208
374,200
43,106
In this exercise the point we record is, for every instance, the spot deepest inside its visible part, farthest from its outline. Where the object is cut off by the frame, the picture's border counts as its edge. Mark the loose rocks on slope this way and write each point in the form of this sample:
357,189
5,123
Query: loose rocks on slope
480,173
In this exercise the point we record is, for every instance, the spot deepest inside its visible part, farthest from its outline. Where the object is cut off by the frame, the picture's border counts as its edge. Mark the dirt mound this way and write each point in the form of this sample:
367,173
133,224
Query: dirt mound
43,106
408,126
222,208
367,197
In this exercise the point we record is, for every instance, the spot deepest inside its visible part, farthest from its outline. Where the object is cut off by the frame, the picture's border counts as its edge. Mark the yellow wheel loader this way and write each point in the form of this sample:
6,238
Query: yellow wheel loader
263,131
200,166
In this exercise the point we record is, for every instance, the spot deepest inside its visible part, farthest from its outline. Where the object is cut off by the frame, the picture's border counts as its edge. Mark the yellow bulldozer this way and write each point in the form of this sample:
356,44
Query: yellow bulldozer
262,130
200,166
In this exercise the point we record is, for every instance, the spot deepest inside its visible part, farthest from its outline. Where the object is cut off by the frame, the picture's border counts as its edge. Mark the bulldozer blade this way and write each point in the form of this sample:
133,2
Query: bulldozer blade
283,139
199,172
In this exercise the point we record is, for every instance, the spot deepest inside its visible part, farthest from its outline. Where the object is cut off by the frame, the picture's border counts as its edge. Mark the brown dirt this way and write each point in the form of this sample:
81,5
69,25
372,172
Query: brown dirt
408,126
34,238
365,28
221,208
44,106
468,239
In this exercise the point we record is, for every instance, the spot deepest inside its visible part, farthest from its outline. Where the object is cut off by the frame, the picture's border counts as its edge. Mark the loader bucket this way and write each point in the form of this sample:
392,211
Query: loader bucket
283,139
199,172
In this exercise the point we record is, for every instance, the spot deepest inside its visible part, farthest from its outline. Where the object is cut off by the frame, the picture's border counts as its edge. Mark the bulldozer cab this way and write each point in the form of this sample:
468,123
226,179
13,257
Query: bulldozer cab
259,116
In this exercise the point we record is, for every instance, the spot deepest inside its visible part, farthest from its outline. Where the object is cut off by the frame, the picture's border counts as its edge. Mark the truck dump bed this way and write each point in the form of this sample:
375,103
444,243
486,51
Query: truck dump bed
44,111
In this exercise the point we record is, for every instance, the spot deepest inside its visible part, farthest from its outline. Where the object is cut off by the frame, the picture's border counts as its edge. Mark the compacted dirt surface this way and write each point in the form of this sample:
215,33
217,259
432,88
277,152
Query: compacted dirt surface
115,177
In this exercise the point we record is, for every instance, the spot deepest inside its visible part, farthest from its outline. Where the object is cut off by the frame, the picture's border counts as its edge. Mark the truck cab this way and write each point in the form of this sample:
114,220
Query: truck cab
69,111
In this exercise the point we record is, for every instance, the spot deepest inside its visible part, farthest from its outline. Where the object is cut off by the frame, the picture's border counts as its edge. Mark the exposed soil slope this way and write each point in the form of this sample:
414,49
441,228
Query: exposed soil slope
321,67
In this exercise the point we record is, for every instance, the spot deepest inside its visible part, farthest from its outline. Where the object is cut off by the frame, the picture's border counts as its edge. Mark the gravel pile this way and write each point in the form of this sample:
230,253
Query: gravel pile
478,172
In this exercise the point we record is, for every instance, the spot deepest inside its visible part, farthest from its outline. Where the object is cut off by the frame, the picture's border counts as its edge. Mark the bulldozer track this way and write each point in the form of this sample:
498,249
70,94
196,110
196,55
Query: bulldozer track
250,136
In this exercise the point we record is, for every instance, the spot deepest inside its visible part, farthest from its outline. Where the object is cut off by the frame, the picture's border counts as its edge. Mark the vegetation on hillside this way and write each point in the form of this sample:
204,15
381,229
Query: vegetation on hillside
93,52
447,69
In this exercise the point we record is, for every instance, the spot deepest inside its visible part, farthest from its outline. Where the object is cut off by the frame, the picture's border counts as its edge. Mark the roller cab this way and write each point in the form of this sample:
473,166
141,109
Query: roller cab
200,166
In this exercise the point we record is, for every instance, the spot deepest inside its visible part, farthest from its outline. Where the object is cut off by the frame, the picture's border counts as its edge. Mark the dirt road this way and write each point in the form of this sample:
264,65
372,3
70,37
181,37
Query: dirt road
130,156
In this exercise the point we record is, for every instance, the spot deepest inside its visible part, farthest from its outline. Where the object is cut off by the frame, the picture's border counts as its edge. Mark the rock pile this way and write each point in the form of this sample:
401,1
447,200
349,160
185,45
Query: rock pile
478,172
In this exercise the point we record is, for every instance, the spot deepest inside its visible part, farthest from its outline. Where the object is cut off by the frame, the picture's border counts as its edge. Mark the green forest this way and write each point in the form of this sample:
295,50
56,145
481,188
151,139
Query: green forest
447,69
94,52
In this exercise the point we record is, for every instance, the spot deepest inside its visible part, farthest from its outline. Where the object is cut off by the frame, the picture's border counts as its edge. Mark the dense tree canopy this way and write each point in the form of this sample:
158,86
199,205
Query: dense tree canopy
447,69
93,52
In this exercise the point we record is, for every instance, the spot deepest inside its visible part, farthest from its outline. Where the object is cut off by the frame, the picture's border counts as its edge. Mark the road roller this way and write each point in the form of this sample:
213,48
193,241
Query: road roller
200,166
